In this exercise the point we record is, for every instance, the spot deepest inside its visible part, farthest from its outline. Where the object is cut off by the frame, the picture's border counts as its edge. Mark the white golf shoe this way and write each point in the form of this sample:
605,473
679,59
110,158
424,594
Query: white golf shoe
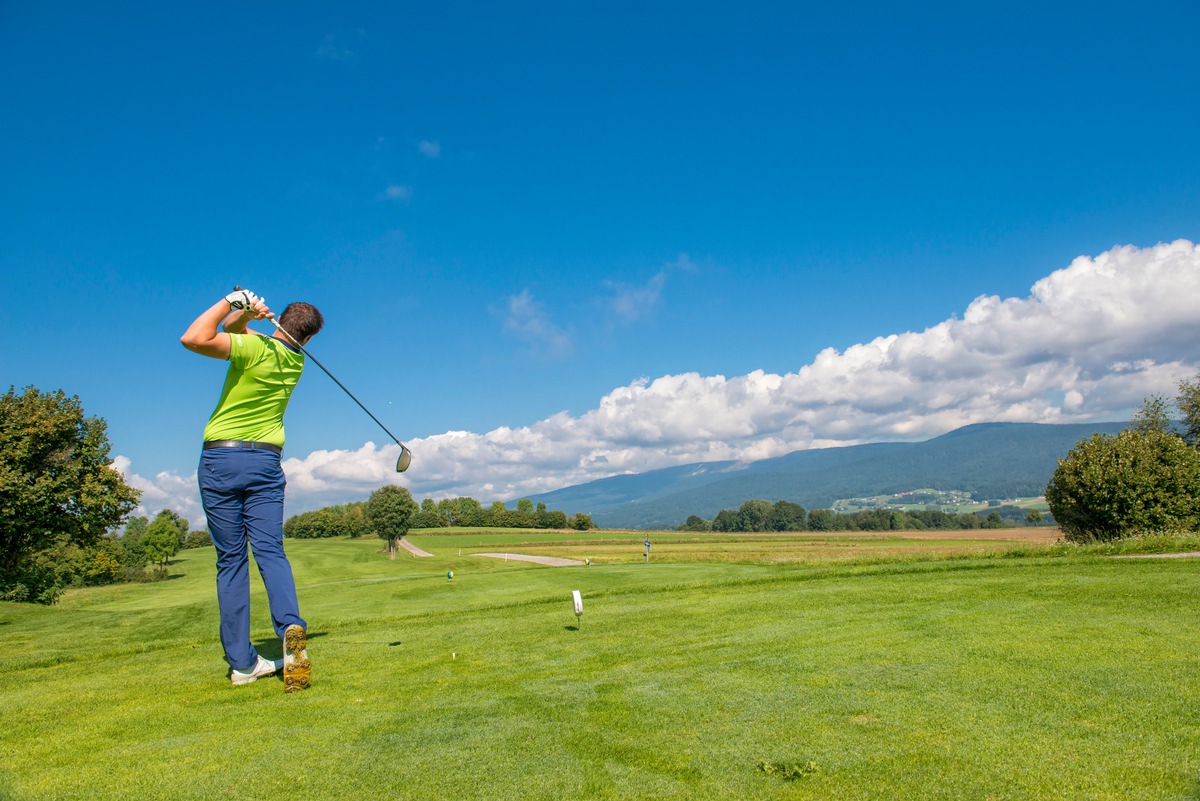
264,667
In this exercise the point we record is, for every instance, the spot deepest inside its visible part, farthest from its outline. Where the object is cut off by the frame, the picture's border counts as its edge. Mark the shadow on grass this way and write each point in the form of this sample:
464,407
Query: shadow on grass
272,648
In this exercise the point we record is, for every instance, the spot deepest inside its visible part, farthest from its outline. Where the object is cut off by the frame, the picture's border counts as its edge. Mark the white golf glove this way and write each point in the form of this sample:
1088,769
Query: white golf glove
242,299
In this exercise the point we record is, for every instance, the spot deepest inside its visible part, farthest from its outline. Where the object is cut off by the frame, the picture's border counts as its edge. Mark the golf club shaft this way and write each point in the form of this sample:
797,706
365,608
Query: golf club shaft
339,383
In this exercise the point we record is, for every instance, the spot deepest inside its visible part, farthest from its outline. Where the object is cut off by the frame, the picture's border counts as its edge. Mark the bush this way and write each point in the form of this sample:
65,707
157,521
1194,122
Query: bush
1137,482
695,523
198,539
581,522
34,580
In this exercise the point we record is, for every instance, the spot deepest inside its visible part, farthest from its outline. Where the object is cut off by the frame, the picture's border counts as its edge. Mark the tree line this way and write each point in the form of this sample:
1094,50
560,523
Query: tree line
764,516
355,519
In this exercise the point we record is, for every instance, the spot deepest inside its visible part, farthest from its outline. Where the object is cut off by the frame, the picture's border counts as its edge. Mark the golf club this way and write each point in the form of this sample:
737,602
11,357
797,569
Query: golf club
405,459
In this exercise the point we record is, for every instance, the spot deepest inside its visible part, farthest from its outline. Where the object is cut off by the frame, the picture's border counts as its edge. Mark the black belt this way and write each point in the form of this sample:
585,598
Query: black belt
242,443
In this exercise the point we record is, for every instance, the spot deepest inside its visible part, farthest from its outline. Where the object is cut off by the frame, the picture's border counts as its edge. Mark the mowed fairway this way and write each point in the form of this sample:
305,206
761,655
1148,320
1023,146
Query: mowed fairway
891,676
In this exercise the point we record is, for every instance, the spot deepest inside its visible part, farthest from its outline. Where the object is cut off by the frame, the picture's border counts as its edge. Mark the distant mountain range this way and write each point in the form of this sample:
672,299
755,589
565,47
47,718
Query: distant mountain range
989,460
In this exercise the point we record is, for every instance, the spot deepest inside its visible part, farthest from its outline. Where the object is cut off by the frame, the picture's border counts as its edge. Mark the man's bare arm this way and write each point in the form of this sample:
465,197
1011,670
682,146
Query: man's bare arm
204,335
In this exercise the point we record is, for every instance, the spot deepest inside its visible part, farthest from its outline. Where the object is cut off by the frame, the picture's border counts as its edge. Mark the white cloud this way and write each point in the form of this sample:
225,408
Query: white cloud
525,319
398,192
1089,342
429,149
629,302
634,301
164,491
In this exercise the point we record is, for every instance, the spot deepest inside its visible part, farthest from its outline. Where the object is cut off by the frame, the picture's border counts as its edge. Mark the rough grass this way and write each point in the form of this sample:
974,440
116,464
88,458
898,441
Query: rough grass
616,546
1055,674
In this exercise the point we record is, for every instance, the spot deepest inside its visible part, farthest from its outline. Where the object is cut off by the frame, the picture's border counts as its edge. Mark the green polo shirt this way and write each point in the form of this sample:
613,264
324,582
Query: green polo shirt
263,371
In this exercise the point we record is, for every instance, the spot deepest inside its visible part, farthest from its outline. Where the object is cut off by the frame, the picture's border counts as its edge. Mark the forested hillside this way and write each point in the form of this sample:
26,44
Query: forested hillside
989,460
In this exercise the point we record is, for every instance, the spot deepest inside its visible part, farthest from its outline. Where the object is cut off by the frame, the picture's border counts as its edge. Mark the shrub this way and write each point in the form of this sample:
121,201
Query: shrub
1137,482
581,522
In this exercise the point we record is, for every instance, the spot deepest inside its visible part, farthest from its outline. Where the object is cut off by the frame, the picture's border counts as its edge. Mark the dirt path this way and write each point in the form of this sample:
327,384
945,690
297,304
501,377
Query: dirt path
541,560
414,550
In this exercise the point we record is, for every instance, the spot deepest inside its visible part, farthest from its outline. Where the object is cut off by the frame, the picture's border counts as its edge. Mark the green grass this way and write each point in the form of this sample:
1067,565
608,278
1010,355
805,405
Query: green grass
1056,673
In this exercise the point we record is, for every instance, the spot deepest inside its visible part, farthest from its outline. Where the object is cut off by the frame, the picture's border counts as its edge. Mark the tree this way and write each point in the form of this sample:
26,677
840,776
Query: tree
1188,403
551,519
1153,416
581,522
523,516
104,563
198,539
133,555
163,537
330,521
787,516
56,483
695,523
752,516
390,511
822,520
471,511
1136,482
354,520
1033,517
428,517
726,520
450,510
311,525
180,525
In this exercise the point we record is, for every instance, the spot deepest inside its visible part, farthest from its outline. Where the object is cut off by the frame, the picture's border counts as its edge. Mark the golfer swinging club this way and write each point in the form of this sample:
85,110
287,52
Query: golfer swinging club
241,479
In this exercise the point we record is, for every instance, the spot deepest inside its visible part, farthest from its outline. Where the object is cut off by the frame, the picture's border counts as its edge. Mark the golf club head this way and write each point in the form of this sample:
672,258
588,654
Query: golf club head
405,459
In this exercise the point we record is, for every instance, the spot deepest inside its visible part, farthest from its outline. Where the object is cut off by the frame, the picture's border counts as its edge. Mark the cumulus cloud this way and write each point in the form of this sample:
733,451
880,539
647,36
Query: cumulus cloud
525,319
165,491
1089,342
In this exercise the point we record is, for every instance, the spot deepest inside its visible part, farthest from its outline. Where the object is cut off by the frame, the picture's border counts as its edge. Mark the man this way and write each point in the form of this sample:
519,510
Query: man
241,479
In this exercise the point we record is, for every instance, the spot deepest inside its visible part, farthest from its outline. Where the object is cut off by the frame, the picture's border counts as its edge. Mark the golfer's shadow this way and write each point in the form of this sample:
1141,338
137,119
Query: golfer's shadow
273,648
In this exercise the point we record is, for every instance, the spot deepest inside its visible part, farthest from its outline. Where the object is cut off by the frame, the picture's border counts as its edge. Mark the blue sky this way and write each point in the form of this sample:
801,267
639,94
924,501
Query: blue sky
554,241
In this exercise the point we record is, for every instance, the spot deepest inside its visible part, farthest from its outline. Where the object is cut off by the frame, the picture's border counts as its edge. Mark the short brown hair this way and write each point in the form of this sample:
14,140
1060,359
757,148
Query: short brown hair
301,320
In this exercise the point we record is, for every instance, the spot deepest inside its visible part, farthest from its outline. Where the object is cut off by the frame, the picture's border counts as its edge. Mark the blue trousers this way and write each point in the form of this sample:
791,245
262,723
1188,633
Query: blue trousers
242,494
